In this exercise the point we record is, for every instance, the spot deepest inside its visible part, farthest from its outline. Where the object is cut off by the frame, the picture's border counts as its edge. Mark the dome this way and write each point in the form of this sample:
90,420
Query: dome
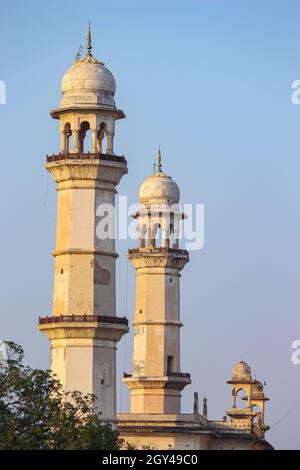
241,371
88,81
159,188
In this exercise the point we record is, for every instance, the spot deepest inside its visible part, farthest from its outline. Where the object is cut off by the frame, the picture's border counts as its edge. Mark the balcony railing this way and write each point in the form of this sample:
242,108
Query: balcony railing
183,375
83,318
85,156
154,249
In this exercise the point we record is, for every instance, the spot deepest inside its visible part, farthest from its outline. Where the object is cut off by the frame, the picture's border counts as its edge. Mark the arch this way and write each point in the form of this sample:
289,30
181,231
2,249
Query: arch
241,398
157,234
101,134
84,128
68,133
171,236
258,418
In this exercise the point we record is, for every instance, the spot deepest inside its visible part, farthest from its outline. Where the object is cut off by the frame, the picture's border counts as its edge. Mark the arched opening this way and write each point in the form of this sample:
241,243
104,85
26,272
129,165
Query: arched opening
241,399
68,134
171,236
258,418
143,236
84,137
101,134
157,235
170,364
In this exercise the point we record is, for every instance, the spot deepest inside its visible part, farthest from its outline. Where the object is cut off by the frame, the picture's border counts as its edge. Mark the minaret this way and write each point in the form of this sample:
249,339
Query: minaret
156,381
84,329
246,417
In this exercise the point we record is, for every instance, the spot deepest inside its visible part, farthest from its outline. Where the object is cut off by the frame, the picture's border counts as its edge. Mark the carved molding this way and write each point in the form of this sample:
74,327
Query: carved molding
170,383
81,330
151,260
95,170
84,251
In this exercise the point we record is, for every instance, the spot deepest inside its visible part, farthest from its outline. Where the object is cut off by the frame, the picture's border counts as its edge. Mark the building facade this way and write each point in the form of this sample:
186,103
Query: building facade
84,328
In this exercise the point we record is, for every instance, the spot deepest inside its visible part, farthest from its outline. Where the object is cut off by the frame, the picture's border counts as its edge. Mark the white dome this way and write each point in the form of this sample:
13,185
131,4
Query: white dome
88,81
241,371
159,189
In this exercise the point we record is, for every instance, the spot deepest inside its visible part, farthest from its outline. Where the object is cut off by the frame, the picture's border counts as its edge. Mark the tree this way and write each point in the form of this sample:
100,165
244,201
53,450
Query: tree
35,412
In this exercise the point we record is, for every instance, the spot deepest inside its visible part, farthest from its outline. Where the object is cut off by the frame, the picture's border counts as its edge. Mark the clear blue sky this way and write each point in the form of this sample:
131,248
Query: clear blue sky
211,82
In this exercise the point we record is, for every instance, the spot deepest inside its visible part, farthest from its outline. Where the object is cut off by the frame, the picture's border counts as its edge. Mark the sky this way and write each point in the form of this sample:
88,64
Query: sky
210,81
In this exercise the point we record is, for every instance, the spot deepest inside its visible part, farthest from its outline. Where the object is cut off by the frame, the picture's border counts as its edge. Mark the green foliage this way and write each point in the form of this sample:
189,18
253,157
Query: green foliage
131,446
35,412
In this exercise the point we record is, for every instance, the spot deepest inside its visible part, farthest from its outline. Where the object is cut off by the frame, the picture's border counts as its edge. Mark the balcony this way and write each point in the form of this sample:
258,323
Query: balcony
180,375
162,249
85,156
83,318
183,375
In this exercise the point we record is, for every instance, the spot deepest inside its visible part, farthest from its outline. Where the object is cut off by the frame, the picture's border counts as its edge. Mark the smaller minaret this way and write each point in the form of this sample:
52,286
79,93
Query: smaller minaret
258,399
156,381
246,417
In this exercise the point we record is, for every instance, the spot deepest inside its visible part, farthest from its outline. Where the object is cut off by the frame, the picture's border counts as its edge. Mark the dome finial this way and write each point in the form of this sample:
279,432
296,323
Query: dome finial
89,40
158,167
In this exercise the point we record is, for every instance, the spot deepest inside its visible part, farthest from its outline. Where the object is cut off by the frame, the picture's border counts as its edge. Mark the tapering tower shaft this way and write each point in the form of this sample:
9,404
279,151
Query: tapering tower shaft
156,381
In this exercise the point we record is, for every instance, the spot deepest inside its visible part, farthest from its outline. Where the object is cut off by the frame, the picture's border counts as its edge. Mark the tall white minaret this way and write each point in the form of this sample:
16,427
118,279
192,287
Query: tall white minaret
84,329
156,381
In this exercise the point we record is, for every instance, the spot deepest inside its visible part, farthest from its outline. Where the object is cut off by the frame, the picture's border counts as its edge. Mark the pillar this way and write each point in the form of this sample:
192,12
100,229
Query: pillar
75,142
109,142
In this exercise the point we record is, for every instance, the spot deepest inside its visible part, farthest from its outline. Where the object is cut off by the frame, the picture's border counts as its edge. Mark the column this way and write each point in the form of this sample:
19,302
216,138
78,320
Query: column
63,139
234,400
94,141
109,142
75,146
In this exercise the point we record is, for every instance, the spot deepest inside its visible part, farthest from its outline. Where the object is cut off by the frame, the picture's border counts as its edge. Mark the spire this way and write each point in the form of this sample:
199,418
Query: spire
89,40
158,166
204,408
196,404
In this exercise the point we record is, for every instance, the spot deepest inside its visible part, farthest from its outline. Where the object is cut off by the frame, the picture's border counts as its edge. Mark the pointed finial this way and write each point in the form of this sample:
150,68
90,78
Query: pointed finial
158,167
204,407
196,403
89,40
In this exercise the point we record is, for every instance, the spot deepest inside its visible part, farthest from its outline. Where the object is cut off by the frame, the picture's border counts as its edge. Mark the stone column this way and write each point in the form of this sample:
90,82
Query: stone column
166,239
141,237
109,142
63,139
175,241
75,146
94,141
149,230
234,401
